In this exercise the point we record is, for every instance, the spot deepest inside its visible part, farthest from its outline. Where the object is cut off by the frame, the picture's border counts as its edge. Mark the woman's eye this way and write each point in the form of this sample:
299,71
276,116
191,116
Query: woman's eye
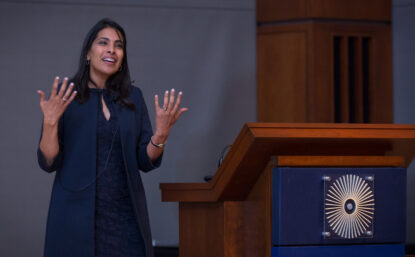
102,42
119,46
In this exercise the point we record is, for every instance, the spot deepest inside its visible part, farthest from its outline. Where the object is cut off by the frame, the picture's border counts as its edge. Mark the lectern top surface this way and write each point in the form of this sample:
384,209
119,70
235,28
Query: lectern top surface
257,142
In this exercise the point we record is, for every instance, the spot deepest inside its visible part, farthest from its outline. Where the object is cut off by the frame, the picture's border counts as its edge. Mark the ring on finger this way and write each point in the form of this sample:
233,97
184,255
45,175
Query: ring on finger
165,109
64,99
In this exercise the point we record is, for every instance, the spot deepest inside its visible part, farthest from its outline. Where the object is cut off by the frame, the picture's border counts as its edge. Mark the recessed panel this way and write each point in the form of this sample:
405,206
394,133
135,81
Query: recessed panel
327,206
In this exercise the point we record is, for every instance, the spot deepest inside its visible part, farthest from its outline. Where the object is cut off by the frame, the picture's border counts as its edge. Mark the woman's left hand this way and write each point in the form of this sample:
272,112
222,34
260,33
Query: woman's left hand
167,115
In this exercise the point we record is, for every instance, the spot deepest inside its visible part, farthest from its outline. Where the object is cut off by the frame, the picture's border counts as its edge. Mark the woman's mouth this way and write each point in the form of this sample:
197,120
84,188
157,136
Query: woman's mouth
109,60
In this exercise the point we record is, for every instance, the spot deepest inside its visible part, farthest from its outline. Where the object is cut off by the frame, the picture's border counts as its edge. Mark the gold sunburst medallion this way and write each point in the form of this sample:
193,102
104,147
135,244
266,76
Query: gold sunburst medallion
350,207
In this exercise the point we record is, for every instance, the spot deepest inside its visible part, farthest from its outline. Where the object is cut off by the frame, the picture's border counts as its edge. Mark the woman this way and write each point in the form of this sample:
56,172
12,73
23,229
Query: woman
96,134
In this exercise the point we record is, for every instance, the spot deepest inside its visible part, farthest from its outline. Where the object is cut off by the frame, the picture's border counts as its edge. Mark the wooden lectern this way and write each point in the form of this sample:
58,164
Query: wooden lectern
275,190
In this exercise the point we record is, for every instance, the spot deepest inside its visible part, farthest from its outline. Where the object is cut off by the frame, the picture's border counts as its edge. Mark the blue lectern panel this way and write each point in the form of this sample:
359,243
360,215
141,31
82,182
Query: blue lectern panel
371,203
389,250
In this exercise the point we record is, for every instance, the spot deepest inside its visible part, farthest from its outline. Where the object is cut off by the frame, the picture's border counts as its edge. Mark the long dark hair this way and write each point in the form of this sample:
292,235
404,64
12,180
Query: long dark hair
119,84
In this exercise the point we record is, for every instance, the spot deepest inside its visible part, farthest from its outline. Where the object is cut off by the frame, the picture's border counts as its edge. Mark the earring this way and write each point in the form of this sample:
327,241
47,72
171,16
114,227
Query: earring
87,62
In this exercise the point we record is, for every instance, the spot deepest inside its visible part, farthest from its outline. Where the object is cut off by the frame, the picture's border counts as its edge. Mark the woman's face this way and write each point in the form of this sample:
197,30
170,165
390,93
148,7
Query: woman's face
106,54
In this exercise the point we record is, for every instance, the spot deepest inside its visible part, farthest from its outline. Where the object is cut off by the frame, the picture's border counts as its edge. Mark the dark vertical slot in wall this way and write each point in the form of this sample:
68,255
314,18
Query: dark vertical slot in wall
366,43
336,78
352,80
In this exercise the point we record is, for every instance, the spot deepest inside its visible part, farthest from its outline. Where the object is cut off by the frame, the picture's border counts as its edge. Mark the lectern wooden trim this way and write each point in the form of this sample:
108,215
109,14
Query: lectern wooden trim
231,215
257,142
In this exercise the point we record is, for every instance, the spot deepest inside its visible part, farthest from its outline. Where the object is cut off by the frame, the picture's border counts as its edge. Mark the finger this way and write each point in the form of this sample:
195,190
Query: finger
54,86
68,92
166,99
73,95
42,96
171,101
63,87
179,113
178,101
156,103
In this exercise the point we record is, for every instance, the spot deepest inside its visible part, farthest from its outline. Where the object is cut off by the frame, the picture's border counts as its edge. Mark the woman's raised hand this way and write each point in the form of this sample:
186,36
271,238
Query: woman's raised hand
55,106
167,115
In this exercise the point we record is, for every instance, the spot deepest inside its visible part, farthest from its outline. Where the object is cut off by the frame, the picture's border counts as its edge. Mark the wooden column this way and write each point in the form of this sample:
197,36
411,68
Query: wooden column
324,61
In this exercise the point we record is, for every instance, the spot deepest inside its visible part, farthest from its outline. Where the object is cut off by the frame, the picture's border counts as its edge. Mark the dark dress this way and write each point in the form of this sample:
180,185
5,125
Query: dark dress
116,229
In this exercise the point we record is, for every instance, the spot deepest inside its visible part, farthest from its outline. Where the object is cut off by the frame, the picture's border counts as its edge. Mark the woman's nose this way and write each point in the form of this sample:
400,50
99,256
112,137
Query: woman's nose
110,49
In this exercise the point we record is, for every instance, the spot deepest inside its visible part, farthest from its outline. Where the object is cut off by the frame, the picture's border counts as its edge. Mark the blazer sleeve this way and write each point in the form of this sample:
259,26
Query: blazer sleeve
57,161
146,132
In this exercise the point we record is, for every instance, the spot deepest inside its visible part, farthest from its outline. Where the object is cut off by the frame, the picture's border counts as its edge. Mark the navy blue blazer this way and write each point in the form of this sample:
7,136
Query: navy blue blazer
70,224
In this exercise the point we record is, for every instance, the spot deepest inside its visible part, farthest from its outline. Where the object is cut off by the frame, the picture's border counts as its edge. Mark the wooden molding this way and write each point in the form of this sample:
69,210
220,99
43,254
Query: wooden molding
341,161
285,10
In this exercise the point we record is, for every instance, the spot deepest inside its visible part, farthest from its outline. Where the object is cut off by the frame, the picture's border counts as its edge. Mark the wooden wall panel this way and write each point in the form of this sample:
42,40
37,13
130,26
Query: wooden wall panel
282,72
201,229
381,89
379,74
284,10
297,73
320,96
368,10
280,10
324,61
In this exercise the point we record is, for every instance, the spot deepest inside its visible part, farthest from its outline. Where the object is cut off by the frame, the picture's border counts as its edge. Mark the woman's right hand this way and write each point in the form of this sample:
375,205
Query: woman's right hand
55,106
